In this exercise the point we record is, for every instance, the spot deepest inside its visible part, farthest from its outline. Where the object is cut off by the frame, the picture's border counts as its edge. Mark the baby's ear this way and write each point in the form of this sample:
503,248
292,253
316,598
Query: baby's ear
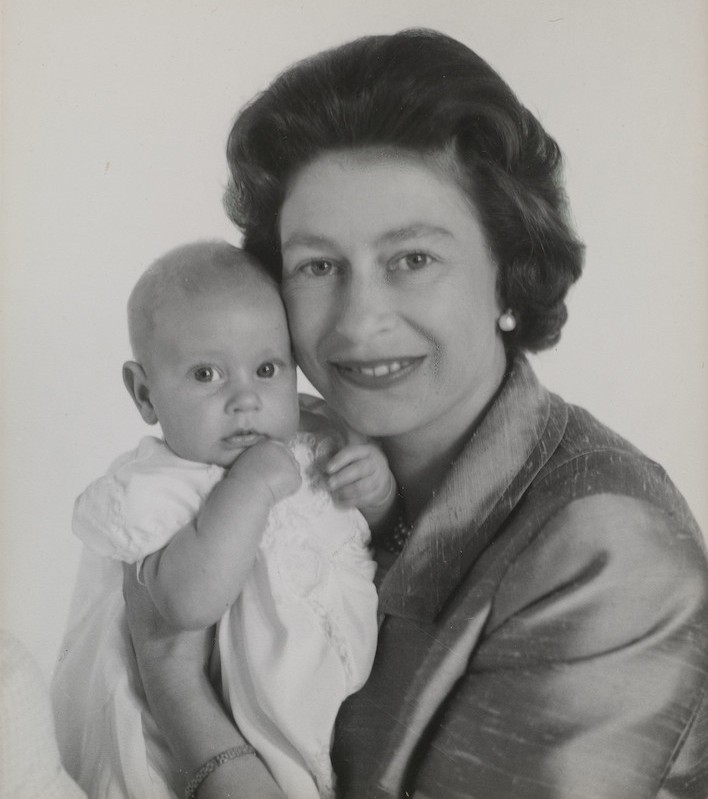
138,387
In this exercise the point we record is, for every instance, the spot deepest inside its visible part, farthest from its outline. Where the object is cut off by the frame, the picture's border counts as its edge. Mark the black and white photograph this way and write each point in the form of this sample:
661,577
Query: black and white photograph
354,398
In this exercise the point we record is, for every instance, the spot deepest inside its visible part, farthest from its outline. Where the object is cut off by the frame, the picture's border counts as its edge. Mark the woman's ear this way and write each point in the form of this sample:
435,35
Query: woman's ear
138,387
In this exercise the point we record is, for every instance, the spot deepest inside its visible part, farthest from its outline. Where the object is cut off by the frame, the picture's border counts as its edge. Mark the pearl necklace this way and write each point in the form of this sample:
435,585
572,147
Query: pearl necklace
396,538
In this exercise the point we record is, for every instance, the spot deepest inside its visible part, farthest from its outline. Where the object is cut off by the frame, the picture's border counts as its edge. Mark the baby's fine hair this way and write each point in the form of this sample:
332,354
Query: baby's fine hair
194,268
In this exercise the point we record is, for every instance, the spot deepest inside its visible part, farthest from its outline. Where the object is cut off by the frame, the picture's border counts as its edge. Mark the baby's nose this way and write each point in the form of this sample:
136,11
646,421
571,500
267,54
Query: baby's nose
243,399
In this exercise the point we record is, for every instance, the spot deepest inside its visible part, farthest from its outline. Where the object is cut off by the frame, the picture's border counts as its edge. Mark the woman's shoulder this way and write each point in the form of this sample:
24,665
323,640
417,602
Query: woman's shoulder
595,497
629,540
591,459
607,516
604,524
608,579
585,433
569,455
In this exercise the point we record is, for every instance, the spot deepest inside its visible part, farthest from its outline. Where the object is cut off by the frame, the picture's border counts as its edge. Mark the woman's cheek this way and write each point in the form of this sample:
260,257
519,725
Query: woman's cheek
308,310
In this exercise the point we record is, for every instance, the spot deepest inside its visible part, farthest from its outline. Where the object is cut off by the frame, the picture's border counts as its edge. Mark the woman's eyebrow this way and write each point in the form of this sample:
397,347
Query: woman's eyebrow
416,230
413,231
306,240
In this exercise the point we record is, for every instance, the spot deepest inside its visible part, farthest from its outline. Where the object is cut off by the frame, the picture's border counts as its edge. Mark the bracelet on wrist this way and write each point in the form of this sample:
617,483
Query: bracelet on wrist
190,792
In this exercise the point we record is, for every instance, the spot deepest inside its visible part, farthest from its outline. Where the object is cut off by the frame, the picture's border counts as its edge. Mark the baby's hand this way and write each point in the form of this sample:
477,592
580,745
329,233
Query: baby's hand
268,464
359,477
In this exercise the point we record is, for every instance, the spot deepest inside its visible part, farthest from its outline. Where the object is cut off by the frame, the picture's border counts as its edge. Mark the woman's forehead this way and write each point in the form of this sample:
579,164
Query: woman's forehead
367,159
390,195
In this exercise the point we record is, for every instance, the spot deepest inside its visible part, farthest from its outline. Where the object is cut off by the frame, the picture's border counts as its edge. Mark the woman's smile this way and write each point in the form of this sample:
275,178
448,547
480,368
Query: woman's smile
376,373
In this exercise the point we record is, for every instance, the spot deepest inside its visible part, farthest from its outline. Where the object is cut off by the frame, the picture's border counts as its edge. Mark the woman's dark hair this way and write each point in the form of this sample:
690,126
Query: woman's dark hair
420,91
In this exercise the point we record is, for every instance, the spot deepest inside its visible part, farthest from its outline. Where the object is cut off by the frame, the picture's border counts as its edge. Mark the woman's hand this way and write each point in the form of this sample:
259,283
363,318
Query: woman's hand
156,643
188,712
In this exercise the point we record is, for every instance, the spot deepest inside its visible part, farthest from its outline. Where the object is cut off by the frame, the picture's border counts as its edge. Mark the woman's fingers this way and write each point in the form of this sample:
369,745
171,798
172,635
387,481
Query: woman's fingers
144,621
153,638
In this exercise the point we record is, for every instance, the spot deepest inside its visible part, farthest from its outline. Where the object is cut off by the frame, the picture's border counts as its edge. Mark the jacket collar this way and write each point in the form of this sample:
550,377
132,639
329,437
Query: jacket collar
518,434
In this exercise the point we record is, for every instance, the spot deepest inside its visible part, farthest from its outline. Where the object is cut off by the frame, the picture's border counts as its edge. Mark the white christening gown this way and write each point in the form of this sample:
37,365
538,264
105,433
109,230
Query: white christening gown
300,638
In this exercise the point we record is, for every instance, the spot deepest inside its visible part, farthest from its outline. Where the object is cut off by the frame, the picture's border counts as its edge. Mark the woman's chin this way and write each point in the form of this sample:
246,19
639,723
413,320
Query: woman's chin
376,417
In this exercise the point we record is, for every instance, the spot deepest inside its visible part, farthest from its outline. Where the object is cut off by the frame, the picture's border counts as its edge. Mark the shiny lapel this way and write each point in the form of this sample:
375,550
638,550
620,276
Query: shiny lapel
515,439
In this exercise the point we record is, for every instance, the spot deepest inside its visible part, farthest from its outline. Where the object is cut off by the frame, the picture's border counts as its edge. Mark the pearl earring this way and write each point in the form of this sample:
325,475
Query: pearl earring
507,321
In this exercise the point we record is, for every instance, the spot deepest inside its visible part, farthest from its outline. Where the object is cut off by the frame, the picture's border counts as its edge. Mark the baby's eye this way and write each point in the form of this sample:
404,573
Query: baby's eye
411,261
206,374
266,369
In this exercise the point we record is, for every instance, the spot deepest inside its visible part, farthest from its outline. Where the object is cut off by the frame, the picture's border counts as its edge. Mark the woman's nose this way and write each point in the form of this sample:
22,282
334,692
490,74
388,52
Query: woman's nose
243,399
365,310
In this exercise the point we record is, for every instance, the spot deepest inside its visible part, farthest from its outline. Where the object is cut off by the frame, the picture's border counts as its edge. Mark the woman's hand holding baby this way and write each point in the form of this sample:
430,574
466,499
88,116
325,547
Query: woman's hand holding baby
171,664
268,464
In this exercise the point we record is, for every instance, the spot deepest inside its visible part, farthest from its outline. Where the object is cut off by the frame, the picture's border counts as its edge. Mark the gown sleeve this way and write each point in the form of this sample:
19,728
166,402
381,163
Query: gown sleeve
141,502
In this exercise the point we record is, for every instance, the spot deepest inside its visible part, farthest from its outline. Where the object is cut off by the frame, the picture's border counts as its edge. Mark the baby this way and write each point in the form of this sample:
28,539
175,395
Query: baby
230,519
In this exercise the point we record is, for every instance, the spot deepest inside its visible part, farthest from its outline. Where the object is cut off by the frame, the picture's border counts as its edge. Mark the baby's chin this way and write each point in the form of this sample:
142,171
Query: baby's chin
215,457
227,451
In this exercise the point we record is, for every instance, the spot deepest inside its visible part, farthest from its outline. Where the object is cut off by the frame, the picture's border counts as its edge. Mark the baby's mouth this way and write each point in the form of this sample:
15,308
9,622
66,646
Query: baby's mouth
243,438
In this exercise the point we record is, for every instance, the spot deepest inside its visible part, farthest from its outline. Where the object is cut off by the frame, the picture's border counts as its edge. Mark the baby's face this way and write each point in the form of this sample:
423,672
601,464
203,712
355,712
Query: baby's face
221,373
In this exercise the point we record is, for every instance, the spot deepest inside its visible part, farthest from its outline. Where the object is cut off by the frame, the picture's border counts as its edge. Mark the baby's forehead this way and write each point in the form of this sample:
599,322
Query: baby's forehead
209,266
239,285
205,269
195,278
235,318
231,297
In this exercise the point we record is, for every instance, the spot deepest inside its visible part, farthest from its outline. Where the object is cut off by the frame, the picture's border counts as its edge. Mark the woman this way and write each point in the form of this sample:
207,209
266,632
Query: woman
543,593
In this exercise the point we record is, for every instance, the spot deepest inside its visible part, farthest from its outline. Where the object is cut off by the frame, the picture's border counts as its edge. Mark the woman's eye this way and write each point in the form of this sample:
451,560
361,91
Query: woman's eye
412,261
266,369
320,268
206,374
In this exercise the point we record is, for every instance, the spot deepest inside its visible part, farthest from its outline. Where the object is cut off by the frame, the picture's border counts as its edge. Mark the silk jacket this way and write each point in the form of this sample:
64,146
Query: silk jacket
544,632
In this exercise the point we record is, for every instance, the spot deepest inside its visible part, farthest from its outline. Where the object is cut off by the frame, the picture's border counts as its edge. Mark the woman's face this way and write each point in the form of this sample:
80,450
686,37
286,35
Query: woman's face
390,291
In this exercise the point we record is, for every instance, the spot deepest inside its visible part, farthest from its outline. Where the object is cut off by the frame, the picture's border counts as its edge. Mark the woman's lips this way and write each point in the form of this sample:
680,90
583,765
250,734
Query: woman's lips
377,373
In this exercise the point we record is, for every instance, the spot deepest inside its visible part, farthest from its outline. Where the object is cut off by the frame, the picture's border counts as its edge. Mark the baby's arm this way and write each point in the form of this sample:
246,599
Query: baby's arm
201,571
359,476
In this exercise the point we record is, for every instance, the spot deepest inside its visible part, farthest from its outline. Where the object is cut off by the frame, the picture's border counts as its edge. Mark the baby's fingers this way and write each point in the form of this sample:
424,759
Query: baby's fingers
349,455
349,473
357,493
